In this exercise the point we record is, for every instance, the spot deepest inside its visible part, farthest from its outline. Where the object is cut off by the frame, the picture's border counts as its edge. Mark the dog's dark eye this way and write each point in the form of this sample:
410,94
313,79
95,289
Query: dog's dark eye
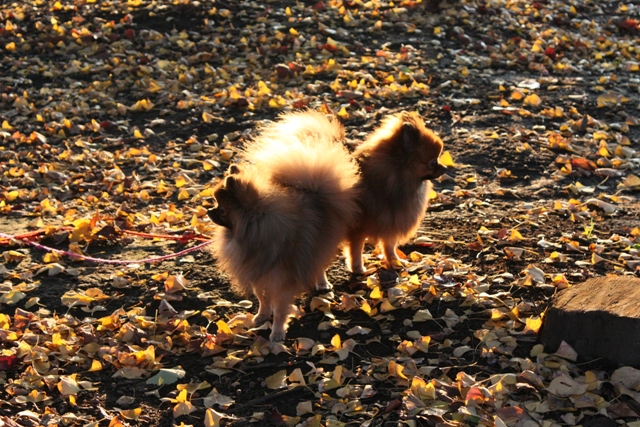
433,163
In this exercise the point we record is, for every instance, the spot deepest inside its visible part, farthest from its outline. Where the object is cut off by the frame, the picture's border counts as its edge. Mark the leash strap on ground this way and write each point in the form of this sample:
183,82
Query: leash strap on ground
107,261
184,238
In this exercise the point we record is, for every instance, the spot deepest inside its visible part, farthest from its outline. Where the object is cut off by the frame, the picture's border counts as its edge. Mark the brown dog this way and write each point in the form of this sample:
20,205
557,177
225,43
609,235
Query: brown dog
396,162
284,214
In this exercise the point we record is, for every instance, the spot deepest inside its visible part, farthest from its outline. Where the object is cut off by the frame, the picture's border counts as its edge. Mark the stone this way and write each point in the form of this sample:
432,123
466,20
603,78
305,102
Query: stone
599,318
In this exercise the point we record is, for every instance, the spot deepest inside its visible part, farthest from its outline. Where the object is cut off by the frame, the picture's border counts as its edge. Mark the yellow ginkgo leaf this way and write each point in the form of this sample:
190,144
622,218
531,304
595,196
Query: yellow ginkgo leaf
603,150
517,95
335,341
422,390
515,236
131,414
632,182
396,370
207,118
96,365
386,306
11,195
376,293
273,103
182,396
212,418
224,331
154,87
51,257
180,181
142,105
533,324
277,380
532,100
447,160
608,99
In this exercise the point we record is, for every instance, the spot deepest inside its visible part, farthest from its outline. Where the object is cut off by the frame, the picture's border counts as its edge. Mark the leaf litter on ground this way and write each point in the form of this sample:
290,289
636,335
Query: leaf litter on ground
122,117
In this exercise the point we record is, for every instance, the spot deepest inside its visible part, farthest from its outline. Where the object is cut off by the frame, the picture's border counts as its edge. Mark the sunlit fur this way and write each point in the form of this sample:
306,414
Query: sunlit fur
286,211
396,162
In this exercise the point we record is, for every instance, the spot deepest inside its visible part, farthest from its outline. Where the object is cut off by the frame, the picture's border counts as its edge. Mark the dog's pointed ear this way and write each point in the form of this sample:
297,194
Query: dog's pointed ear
230,183
410,136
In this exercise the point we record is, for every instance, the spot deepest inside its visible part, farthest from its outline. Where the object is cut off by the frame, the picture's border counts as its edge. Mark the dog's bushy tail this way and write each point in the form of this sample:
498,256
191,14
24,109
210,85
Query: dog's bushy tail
304,151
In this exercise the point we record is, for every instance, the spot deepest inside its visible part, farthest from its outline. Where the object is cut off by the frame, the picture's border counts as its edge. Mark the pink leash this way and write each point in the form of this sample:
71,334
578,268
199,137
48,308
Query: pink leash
106,261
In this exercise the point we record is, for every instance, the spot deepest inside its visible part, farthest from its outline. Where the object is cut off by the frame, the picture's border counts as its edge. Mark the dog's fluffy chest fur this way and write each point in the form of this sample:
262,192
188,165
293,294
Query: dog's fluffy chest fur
395,208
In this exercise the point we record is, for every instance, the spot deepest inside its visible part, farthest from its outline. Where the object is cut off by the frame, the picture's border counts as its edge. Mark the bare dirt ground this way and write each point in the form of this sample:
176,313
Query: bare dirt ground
120,116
